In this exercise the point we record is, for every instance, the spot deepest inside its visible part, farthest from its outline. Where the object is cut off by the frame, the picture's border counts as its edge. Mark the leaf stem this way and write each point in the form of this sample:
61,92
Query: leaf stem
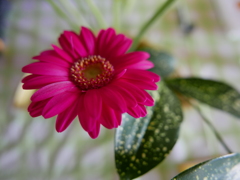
163,8
208,122
97,14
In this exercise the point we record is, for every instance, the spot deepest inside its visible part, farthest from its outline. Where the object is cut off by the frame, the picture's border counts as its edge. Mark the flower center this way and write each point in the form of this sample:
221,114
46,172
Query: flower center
91,72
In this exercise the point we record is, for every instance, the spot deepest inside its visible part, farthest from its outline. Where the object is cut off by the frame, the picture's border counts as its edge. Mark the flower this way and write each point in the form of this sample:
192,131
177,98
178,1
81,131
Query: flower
91,77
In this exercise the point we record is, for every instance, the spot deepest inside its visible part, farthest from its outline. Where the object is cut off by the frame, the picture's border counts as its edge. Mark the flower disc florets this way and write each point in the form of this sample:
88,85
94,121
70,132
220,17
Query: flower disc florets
91,72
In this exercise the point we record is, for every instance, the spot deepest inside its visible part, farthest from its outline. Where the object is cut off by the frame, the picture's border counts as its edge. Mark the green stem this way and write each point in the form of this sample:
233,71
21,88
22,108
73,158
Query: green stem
128,4
116,14
146,26
212,128
97,14
219,138
74,12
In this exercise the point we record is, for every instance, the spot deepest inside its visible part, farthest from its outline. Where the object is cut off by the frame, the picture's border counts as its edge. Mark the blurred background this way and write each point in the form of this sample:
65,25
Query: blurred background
202,35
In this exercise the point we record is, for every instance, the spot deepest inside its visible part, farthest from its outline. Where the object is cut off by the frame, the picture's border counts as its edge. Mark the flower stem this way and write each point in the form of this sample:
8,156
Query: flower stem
128,4
212,128
146,26
74,12
97,14
116,14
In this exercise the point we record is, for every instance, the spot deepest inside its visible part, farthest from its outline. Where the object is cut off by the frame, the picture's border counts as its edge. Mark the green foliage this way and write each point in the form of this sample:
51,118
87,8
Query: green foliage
213,93
222,168
141,144
164,63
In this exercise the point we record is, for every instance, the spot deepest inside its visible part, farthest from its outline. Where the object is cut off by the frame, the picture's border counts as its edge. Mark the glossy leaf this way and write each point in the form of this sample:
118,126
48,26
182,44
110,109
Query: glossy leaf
213,93
222,168
141,144
164,63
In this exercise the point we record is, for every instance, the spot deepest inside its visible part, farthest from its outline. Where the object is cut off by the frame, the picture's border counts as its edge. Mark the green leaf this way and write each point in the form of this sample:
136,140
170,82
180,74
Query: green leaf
222,168
164,63
213,93
141,144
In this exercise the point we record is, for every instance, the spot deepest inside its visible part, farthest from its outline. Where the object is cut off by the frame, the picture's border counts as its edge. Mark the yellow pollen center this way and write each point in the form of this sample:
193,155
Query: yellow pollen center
91,72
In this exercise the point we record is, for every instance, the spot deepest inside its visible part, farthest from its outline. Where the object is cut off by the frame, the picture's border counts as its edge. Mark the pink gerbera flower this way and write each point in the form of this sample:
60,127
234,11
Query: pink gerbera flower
91,77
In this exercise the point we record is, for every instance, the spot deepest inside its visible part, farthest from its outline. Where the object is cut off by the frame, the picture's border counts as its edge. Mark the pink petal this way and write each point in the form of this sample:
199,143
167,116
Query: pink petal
129,98
117,39
120,48
52,57
110,45
103,39
118,117
87,122
109,118
141,65
35,108
99,41
62,54
36,112
37,82
29,77
130,88
76,44
95,132
149,101
93,103
110,35
117,46
42,68
134,111
129,59
143,84
67,46
139,74
143,110
50,52
119,74
52,90
138,111
66,117
113,99
88,39
59,103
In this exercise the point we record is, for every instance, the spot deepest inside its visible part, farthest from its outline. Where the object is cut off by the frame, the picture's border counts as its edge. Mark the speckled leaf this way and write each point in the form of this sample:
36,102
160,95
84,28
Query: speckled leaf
222,168
164,63
213,93
141,144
